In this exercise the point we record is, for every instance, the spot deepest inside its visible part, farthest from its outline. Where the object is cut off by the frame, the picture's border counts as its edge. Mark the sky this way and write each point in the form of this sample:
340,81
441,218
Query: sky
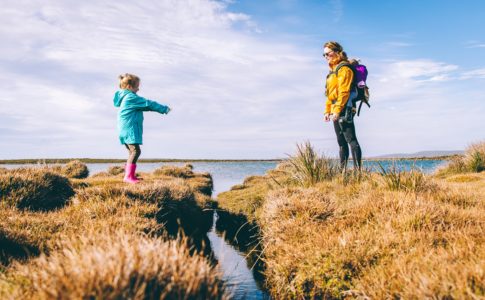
244,78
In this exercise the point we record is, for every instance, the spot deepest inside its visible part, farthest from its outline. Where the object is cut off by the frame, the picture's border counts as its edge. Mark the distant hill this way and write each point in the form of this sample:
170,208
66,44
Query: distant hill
421,154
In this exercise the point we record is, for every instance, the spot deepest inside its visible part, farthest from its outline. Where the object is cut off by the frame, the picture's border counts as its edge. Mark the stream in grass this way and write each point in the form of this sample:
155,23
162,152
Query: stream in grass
233,263
236,272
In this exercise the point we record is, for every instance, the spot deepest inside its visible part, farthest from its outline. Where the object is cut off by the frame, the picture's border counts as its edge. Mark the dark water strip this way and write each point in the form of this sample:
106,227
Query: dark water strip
233,264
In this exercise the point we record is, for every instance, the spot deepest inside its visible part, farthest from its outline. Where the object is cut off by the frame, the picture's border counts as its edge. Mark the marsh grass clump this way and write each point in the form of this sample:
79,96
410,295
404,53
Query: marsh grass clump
115,170
118,265
455,166
202,183
75,252
330,242
475,157
75,169
15,248
181,211
178,207
34,189
174,171
309,168
472,161
393,234
397,179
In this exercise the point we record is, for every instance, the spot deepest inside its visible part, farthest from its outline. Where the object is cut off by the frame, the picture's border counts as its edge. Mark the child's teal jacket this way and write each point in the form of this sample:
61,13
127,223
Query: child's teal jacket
130,116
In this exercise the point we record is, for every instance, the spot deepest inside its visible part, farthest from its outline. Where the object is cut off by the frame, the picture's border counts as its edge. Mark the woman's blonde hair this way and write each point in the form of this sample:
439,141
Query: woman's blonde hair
129,81
338,49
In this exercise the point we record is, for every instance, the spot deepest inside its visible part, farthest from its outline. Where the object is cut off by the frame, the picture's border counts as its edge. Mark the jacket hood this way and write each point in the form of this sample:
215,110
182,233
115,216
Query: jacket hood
119,95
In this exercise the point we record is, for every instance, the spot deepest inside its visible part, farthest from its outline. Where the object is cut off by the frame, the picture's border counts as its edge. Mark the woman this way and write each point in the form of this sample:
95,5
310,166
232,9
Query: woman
339,106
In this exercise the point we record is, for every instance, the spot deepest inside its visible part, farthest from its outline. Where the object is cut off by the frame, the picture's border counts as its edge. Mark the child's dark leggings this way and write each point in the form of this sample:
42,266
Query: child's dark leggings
134,152
346,135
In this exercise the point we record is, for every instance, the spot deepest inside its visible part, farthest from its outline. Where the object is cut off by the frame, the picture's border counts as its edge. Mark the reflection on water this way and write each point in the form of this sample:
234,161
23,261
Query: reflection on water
238,276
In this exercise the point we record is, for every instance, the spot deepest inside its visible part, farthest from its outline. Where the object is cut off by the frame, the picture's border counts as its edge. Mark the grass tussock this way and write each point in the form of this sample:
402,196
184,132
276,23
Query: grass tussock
475,157
117,265
309,168
115,170
247,198
157,206
202,182
75,169
29,233
414,180
178,206
400,235
34,189
174,171
380,244
472,161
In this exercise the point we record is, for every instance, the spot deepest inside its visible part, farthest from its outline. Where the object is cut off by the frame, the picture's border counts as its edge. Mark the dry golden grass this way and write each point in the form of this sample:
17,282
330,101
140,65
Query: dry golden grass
116,170
105,205
247,198
366,239
472,161
174,171
117,265
307,167
75,169
34,189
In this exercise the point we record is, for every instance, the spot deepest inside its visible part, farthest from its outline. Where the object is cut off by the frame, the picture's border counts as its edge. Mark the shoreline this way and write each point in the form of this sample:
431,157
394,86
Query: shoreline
160,160
116,160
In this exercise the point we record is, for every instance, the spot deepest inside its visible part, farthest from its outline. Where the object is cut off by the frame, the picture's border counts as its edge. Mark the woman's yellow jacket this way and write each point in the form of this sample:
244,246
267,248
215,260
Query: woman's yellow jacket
338,89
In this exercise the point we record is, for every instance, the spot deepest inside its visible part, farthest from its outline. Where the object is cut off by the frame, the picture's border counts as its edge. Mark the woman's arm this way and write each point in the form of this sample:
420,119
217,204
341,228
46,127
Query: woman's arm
345,77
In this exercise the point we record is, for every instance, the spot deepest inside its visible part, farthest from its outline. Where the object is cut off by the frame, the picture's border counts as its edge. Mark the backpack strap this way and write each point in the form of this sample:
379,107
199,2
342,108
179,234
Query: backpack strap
342,64
353,85
346,64
360,105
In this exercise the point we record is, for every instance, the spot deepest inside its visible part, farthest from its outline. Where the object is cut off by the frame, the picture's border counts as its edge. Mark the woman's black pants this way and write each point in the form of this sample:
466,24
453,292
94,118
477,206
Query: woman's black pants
346,135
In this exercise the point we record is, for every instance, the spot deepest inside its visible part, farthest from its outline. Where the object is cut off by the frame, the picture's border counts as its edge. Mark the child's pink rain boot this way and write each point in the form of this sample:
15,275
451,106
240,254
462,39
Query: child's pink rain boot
134,174
130,174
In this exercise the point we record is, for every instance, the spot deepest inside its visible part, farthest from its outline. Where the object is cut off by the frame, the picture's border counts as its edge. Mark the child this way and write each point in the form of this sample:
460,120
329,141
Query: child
130,120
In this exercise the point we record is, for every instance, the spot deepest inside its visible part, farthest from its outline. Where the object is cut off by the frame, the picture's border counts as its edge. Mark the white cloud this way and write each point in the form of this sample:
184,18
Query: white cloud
405,78
475,44
234,93
478,73
224,84
419,104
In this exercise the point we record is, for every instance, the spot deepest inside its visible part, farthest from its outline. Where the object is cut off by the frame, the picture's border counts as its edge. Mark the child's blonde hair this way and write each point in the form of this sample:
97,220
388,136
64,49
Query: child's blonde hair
129,81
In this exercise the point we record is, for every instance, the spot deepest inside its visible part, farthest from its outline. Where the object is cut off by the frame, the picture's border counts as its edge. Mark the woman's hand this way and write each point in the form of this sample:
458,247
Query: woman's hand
326,117
334,117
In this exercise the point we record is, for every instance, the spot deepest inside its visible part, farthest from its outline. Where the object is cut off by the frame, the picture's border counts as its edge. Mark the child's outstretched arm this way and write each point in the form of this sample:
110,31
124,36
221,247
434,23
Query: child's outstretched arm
140,103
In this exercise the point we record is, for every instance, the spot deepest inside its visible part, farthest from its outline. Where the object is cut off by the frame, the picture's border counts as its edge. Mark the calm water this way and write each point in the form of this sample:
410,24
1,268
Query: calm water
226,174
